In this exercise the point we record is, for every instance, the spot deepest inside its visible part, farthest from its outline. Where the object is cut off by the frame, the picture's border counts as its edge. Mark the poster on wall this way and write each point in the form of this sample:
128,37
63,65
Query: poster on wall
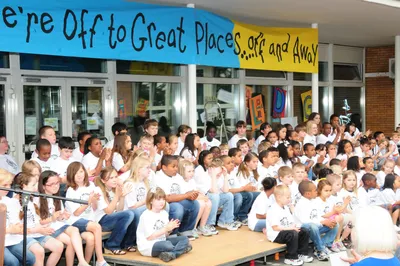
257,113
51,121
30,125
307,104
141,107
278,103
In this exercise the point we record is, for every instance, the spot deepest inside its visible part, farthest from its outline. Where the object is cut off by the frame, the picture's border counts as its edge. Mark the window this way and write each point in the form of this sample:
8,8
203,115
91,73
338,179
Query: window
322,73
138,101
147,68
346,72
347,102
62,63
257,73
216,72
4,60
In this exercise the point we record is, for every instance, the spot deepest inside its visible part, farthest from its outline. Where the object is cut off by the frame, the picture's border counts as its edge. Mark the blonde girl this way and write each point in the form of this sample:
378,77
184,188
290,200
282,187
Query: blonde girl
186,170
40,233
387,168
183,131
121,155
52,214
172,144
110,214
79,187
31,168
311,132
349,190
247,171
154,228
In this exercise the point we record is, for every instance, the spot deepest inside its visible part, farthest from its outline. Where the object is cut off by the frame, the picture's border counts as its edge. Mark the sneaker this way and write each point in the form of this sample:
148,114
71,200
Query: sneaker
211,229
341,246
187,249
188,234
195,233
306,258
293,262
238,223
327,251
321,256
167,256
229,226
245,222
335,247
203,230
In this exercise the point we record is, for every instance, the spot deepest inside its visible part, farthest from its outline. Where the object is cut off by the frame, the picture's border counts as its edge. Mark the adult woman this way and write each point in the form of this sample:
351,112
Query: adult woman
374,238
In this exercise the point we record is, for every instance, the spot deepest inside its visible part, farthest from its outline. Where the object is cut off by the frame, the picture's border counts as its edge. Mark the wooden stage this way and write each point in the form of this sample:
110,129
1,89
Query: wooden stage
226,248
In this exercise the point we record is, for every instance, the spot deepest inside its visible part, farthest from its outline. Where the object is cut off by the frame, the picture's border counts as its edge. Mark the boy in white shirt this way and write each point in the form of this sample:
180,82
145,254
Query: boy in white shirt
43,150
265,128
79,151
209,139
299,174
240,134
306,214
368,194
183,207
117,128
7,162
269,163
282,229
258,212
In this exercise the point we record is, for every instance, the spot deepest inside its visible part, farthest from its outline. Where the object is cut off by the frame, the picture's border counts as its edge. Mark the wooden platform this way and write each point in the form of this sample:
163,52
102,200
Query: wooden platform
226,248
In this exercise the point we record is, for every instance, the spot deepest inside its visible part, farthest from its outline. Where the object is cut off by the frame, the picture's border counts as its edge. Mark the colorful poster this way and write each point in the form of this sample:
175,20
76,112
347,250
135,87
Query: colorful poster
51,121
307,104
94,106
141,107
257,113
126,30
30,125
279,103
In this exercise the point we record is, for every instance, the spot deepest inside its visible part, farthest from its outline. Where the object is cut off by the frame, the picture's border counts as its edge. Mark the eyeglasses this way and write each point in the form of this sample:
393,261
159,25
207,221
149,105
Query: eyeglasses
53,184
4,141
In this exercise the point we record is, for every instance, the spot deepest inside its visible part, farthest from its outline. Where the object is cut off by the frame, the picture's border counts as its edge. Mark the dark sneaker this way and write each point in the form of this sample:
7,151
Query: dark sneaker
167,256
321,256
188,249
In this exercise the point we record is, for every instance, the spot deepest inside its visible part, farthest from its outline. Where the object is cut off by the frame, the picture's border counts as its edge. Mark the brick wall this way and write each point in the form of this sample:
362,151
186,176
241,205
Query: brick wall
379,95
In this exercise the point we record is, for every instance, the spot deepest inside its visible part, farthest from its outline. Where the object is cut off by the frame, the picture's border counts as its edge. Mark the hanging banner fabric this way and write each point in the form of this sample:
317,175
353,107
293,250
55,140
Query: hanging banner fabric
307,104
257,112
144,32
278,103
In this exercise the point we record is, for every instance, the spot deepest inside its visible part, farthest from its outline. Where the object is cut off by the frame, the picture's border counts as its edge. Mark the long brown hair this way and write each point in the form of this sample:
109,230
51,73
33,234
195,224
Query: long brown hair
119,146
244,170
23,180
72,169
44,206
103,177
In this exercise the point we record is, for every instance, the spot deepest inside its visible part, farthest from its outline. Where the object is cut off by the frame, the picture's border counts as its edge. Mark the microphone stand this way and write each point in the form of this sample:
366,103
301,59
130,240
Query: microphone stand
25,196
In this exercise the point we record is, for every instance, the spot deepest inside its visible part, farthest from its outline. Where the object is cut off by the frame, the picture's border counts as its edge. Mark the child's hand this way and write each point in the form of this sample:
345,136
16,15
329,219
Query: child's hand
56,216
320,159
66,215
90,172
172,225
251,143
347,200
118,191
153,151
128,187
343,163
15,229
203,147
46,231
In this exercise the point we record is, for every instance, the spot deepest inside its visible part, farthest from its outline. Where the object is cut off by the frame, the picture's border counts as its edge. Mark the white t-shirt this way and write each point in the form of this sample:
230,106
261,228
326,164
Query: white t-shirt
257,143
310,139
90,161
45,165
60,166
232,180
181,144
354,202
306,211
8,163
380,178
271,171
102,204
233,141
137,194
81,193
52,209
55,152
260,206
157,158
170,185
371,197
109,144
322,139
295,193
189,185
117,161
388,196
324,207
202,179
214,142
12,217
77,155
33,219
149,223
278,216
188,155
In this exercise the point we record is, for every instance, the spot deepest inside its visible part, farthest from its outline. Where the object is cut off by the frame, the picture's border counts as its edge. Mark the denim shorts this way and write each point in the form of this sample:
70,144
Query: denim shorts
81,224
41,240
59,231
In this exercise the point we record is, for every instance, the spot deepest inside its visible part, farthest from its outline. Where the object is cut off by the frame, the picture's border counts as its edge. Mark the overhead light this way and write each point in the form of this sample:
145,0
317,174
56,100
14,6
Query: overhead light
392,3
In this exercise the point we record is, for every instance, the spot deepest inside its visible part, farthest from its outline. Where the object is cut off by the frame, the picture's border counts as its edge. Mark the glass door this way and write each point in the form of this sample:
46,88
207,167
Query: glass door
2,111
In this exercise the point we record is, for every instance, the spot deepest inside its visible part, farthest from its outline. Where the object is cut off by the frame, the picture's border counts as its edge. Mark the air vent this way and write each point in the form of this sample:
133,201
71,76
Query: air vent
98,82
33,80
3,79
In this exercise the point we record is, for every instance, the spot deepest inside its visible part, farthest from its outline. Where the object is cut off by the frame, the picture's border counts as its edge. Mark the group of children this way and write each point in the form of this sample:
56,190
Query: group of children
157,195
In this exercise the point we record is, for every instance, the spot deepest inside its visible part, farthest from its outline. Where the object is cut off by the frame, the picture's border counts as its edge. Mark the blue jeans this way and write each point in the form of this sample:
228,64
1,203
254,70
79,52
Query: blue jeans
260,225
137,212
122,227
315,232
242,203
224,200
13,255
185,211
176,245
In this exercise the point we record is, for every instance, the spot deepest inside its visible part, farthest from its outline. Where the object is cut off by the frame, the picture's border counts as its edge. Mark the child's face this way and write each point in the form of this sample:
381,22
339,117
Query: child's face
128,143
50,135
284,199
211,133
395,138
373,144
269,159
171,169
326,192
52,185
322,152
350,182
36,173
6,185
96,147
348,148
266,130
252,165
157,204
228,164
365,147
237,159
152,130
294,136
296,150
224,151
65,153
388,168
112,180
282,133
44,153
290,151
244,148
332,151
302,134
146,144
299,174
208,159
287,179
197,142
310,152
336,186
327,129
273,138
241,131
383,145
3,145
80,177
276,156
216,152
371,183
369,164
32,185
189,172
162,144
144,172
396,183
314,129
173,145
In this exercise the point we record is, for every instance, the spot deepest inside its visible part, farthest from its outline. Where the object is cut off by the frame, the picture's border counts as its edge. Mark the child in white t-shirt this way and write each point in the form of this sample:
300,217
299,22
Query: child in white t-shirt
43,150
154,228
281,228
265,128
191,148
224,149
96,158
350,189
79,151
240,134
394,142
261,205
243,145
285,176
7,161
387,168
183,131
121,153
388,197
299,174
186,170
48,133
209,139
269,159
161,143
117,128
